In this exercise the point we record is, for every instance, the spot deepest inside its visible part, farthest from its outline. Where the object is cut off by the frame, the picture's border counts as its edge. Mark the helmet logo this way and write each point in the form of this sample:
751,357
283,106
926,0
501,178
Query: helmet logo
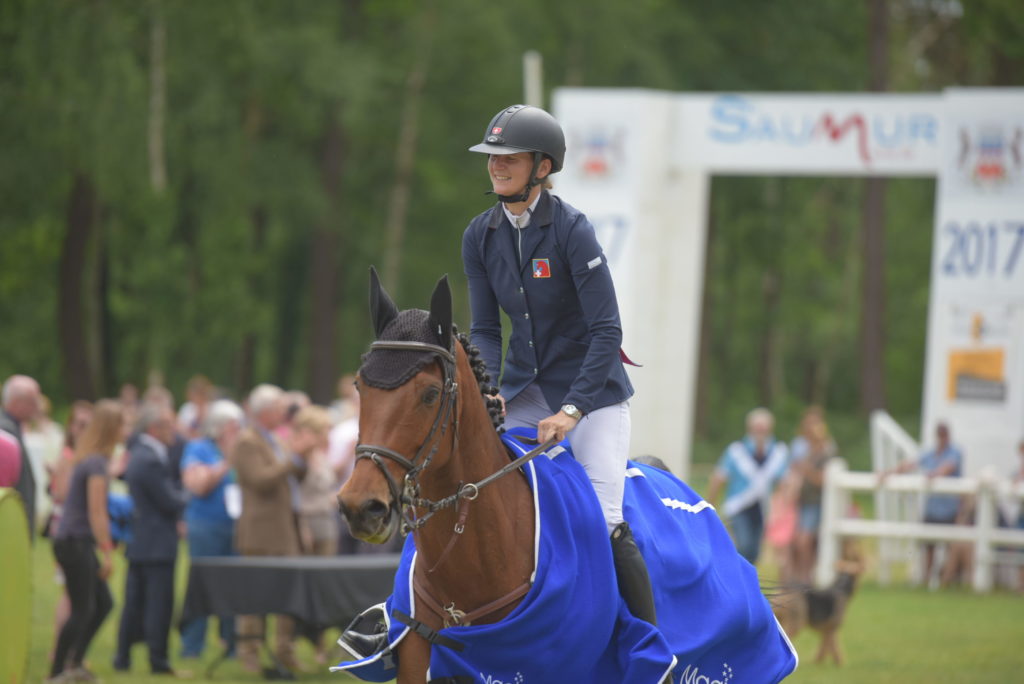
496,130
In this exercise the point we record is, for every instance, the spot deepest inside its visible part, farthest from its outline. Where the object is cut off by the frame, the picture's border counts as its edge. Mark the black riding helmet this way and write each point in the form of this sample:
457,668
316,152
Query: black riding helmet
524,128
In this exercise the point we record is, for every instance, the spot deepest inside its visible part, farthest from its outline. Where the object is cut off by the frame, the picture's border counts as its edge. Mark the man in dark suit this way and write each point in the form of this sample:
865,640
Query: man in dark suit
20,401
149,586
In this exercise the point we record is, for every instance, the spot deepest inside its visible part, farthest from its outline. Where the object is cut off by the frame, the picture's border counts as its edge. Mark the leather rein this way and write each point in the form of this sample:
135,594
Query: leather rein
405,500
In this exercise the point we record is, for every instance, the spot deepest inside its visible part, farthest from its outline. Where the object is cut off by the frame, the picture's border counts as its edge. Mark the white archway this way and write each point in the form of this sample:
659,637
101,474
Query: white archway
640,164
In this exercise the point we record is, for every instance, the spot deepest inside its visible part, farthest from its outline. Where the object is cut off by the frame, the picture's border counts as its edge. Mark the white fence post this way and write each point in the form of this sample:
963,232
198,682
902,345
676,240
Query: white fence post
885,502
890,445
833,505
985,523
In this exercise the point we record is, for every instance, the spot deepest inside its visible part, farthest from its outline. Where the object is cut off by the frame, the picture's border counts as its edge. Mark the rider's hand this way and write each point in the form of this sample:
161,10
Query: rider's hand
556,426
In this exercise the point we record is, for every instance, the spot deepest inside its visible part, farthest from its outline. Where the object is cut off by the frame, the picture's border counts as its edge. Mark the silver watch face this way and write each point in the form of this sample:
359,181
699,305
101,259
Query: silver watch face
571,411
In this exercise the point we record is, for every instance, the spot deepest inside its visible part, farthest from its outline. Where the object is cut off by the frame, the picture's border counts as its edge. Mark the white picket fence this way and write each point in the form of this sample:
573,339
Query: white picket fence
898,506
891,445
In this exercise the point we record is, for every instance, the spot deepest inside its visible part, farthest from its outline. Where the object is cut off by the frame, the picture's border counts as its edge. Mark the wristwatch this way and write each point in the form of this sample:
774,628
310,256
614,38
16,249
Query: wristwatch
572,411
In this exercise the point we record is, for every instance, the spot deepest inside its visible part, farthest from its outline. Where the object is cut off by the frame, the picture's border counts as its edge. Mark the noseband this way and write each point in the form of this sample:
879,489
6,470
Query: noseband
406,499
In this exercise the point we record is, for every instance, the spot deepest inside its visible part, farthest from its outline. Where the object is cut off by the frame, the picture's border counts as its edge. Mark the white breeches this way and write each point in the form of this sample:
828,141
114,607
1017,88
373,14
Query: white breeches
600,442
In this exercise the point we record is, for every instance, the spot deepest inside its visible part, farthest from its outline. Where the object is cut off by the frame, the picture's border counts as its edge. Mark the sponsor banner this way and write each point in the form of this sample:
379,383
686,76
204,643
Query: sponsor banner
974,374
974,379
830,134
979,348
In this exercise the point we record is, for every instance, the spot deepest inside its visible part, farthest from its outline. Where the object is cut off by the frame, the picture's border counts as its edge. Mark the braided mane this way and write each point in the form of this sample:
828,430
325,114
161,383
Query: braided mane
483,378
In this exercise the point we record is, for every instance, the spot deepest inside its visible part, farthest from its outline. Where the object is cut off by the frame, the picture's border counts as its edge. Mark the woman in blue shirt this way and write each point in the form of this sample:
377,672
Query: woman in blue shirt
208,475
536,258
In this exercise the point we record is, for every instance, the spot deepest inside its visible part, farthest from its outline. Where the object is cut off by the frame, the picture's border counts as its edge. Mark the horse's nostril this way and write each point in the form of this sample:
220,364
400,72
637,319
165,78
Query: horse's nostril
375,508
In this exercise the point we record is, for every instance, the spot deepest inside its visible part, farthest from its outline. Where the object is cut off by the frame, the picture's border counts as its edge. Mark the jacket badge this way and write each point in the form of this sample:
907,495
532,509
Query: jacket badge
541,268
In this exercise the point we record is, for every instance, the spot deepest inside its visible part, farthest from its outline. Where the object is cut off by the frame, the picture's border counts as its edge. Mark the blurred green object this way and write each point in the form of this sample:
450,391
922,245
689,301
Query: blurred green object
16,595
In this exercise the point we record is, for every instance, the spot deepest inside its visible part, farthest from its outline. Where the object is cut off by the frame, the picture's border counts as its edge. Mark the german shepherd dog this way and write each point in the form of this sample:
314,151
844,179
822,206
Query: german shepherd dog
798,606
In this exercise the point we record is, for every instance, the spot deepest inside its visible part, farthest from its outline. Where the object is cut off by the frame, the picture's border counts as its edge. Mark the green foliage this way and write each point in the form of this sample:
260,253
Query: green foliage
212,274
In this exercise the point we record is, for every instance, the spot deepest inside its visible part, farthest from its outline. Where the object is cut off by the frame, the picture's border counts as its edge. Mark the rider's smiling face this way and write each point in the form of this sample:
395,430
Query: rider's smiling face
510,172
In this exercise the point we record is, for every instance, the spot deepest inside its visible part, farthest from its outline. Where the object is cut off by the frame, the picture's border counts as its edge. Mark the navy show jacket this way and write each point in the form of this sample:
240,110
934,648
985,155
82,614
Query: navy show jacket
566,333
158,501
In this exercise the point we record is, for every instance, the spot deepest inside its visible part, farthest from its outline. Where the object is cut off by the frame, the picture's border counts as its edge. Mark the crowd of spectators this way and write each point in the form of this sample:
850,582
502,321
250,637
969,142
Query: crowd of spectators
773,495
136,475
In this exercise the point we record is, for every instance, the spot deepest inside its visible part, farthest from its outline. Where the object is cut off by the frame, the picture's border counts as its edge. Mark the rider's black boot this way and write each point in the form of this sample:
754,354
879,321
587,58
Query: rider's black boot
634,582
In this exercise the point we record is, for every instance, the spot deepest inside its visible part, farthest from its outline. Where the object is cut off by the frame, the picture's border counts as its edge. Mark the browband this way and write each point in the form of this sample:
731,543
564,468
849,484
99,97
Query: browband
398,345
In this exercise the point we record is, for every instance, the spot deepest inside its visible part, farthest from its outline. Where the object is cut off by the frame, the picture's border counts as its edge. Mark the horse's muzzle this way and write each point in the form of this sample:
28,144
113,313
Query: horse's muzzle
372,520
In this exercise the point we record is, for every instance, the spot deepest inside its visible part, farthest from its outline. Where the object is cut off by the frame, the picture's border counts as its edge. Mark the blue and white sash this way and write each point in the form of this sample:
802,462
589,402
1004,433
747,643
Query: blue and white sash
761,478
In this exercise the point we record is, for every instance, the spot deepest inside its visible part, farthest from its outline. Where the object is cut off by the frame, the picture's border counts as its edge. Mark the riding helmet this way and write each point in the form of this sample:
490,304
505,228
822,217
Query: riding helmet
524,128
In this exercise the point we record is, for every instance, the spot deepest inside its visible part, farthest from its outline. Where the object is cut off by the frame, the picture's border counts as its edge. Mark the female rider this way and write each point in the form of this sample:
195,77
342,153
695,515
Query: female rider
537,258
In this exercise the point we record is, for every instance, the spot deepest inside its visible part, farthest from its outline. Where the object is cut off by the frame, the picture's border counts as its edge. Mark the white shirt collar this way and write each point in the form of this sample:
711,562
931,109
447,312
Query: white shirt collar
523,220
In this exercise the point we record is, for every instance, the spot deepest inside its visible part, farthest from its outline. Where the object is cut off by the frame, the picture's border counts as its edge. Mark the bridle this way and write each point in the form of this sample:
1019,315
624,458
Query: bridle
406,499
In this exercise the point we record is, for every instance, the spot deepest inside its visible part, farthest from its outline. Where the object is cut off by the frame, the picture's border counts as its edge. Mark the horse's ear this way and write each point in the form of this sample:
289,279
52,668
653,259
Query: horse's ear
382,309
441,313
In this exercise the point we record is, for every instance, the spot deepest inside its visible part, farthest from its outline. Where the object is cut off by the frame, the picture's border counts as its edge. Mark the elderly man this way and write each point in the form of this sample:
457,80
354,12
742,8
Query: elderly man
153,549
751,467
20,402
268,524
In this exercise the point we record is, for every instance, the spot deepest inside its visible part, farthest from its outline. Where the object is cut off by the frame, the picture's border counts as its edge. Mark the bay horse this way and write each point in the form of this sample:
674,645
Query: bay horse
440,415
431,463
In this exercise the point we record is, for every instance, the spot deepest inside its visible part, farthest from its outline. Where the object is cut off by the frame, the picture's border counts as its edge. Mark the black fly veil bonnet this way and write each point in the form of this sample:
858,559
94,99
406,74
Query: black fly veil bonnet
406,343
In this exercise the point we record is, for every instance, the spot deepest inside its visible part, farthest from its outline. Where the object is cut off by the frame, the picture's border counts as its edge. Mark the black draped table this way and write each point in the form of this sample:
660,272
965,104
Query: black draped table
319,590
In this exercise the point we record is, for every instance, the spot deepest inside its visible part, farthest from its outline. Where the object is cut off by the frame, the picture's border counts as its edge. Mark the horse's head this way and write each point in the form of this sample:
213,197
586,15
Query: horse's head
408,409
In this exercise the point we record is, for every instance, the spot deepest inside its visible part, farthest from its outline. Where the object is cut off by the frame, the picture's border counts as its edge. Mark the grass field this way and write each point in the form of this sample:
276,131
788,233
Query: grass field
901,636
905,635
101,654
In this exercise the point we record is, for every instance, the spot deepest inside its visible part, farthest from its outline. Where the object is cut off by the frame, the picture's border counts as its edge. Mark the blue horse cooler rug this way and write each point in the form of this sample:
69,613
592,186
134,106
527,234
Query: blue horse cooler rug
714,625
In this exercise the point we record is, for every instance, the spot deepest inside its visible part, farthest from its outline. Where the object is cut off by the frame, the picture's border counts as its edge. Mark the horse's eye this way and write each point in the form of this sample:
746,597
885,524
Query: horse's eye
430,395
